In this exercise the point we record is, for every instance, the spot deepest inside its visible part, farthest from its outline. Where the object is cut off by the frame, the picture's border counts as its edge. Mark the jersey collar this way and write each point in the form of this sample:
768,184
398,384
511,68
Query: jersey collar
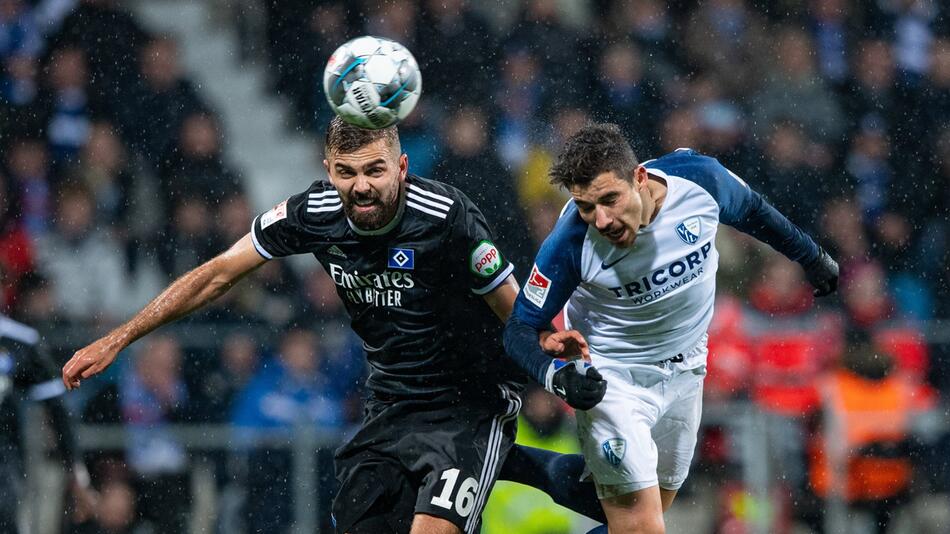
388,226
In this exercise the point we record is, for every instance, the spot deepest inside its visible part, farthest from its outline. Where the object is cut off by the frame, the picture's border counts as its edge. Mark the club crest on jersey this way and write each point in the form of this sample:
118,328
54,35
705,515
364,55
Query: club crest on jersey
689,230
614,449
401,258
485,260
536,290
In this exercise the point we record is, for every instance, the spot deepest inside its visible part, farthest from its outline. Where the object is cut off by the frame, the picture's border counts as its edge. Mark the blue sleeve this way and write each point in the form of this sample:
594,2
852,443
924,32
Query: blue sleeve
556,272
746,211
555,275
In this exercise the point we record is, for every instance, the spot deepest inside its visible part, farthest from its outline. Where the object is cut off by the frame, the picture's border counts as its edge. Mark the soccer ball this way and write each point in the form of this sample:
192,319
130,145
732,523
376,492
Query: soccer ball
372,82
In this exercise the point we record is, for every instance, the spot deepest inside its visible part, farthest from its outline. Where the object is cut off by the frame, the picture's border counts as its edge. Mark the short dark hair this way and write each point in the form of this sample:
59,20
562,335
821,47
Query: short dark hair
592,151
343,137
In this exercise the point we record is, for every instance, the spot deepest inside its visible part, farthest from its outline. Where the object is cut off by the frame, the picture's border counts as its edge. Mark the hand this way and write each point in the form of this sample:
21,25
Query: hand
568,344
822,273
580,385
90,361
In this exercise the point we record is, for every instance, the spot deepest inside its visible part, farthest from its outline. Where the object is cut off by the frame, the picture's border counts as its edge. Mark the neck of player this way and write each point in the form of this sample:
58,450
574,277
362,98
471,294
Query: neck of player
653,194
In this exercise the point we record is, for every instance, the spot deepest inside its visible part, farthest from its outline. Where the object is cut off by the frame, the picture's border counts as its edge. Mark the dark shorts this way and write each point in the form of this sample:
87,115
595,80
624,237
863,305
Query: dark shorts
438,457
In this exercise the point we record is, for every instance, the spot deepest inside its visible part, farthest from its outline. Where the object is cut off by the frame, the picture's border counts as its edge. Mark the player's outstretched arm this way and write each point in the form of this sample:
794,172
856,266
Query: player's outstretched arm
190,292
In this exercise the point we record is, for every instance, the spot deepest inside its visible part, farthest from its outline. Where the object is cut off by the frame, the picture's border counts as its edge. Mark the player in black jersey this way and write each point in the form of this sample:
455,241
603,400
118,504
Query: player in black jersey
27,373
427,291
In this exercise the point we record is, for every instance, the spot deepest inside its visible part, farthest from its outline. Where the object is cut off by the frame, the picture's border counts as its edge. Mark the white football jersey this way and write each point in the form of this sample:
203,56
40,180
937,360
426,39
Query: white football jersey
654,300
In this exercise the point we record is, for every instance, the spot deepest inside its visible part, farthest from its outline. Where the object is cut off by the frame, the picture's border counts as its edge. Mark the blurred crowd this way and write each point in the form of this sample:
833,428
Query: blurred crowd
113,182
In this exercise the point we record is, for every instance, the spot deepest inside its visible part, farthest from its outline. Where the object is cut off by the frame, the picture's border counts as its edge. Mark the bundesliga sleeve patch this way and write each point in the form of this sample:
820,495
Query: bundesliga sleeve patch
536,290
485,260
277,213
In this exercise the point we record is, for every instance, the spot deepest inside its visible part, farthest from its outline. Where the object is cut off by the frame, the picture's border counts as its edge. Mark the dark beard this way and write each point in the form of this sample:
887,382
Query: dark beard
376,219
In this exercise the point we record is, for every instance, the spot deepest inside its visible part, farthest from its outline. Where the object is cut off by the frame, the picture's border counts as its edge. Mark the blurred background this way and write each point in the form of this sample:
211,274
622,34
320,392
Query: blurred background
139,138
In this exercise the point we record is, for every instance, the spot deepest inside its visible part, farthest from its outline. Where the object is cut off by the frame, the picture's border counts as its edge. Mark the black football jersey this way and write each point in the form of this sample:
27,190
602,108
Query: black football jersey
26,373
413,289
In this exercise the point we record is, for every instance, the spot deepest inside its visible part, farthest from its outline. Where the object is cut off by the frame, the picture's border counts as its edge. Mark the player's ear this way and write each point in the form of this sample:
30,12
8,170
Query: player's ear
403,166
640,175
326,165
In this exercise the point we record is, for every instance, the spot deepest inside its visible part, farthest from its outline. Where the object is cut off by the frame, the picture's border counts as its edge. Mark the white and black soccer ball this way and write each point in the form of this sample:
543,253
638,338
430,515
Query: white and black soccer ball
372,82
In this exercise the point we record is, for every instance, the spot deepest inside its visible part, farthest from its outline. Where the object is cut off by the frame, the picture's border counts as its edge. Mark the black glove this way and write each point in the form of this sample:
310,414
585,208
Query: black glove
579,384
822,273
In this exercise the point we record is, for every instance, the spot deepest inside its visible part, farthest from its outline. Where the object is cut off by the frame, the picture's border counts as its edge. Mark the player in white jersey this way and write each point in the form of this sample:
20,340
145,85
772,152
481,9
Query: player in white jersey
632,261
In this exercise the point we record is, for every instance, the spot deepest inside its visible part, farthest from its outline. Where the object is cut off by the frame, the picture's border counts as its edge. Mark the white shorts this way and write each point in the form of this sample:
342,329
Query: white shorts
643,433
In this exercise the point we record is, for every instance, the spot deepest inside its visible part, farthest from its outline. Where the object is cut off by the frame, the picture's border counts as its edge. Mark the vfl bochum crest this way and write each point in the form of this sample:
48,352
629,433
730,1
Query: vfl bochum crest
689,230
614,449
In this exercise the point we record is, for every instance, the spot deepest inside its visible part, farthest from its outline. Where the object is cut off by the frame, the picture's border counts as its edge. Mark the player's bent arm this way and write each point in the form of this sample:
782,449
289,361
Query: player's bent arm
501,300
186,294
557,344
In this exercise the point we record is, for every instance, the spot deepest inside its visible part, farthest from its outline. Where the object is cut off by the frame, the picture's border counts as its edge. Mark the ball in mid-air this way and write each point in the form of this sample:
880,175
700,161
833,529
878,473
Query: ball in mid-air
372,82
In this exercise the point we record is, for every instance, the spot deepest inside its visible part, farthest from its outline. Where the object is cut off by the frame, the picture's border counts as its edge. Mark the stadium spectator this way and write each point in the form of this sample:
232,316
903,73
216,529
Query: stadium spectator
66,104
32,181
234,216
396,20
20,45
19,34
863,453
236,364
163,99
649,24
420,141
455,49
18,87
781,290
16,248
541,26
275,296
910,25
868,166
832,30
791,171
190,236
111,37
680,128
471,165
84,265
520,97
153,395
934,96
899,247
726,38
291,390
792,90
721,121
103,168
865,296
873,88
623,94
535,191
195,166
843,223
